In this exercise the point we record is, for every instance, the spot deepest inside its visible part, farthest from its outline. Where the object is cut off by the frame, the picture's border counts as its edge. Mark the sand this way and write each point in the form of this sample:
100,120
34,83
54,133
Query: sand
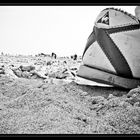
44,106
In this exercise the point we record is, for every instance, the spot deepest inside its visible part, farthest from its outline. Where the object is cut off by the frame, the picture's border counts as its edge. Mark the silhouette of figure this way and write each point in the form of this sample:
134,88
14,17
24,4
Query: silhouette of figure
75,57
54,55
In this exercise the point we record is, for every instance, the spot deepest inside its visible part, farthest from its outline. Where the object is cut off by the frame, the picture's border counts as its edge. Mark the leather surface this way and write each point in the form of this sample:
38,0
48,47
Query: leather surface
112,52
113,48
129,44
116,19
94,56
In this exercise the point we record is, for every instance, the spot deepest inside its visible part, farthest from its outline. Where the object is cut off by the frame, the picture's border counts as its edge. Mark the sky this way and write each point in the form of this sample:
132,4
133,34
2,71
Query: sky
30,30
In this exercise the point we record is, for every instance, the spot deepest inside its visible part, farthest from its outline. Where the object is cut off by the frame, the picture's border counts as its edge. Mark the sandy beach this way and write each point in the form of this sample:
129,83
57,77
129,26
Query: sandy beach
47,100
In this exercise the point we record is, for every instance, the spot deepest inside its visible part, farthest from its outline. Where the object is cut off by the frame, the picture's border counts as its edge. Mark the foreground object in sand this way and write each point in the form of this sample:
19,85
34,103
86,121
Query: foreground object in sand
112,52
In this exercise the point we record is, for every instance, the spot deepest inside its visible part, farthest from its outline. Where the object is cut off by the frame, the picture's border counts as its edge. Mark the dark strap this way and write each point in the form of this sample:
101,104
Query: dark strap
110,49
91,39
113,53
122,29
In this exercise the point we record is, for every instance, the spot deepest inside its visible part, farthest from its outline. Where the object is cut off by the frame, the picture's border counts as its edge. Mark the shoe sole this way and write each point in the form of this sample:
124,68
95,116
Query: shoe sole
83,81
98,76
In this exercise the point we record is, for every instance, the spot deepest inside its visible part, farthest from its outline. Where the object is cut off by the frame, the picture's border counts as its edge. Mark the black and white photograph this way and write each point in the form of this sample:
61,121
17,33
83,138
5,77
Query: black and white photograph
69,69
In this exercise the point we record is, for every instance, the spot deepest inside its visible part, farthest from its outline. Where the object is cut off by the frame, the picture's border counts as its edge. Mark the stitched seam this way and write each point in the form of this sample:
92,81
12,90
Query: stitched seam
122,31
104,70
110,59
125,29
124,12
128,24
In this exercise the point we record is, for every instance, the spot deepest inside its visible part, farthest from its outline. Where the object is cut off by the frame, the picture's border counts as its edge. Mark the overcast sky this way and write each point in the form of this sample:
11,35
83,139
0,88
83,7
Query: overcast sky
64,30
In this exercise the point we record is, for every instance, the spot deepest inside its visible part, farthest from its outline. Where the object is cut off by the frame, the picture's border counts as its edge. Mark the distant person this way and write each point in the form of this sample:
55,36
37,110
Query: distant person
54,55
71,57
64,62
75,57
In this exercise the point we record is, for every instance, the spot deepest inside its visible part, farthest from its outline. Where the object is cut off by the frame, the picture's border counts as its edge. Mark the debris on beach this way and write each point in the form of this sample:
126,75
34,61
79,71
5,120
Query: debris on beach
44,99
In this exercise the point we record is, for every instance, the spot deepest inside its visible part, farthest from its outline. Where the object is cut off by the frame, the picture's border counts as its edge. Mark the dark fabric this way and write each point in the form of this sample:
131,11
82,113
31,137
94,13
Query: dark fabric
91,39
112,52
122,29
110,49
